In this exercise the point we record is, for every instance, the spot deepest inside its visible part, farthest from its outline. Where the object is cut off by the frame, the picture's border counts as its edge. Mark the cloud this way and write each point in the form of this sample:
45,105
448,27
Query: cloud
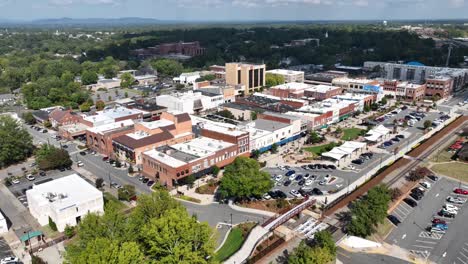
457,3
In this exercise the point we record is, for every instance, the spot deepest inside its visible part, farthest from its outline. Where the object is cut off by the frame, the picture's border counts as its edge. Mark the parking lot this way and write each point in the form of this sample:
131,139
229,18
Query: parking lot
415,234
5,250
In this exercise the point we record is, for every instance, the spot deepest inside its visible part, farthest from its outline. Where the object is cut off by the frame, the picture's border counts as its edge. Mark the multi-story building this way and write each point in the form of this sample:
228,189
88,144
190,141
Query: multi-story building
439,86
59,117
187,77
410,91
190,102
65,200
289,75
3,224
171,164
111,115
418,73
252,76
321,92
289,90
152,110
171,129
100,138
352,83
229,92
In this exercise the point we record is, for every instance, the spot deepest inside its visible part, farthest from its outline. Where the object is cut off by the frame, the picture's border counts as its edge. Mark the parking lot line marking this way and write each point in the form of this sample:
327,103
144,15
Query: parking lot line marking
463,255
405,206
461,260
422,246
399,216
465,249
342,254
428,242
401,211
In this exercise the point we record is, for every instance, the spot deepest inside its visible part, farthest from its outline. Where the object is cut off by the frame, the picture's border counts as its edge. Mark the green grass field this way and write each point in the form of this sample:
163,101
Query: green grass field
456,170
233,243
351,133
317,150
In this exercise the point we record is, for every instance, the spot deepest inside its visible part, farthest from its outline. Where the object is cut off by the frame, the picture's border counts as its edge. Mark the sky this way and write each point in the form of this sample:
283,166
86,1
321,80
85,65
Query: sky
229,10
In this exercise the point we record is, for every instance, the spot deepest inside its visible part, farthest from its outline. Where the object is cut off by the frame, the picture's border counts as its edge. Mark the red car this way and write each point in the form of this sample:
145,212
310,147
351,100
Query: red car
438,221
460,191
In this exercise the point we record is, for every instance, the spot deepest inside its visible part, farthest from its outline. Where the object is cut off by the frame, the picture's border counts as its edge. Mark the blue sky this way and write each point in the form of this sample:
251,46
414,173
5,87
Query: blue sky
236,9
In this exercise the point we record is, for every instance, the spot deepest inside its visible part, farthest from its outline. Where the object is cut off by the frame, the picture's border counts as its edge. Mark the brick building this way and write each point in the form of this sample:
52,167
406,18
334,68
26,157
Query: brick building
169,130
100,138
59,117
171,164
322,92
439,86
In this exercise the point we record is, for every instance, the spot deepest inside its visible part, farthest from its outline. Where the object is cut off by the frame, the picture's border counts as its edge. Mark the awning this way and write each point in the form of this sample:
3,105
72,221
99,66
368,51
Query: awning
30,235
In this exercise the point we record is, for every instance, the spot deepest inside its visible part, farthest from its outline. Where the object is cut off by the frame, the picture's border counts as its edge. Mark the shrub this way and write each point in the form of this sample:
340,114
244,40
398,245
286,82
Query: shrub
52,224
395,193
69,231
99,183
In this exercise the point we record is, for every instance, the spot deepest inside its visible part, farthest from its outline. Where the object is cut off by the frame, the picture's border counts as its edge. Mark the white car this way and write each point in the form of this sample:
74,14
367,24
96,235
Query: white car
30,177
295,193
292,177
9,260
306,176
425,184
281,168
452,211
323,182
456,200
80,164
15,181
451,207
266,196
309,182
278,177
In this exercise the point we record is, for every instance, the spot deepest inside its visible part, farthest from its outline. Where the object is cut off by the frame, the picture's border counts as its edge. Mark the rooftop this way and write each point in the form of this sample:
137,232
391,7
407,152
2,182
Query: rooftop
223,128
321,88
157,124
108,127
284,72
64,192
269,125
293,86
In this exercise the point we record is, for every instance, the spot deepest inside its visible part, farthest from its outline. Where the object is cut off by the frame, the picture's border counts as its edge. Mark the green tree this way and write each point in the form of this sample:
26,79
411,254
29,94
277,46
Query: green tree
52,224
69,231
89,77
28,118
253,115
85,107
177,238
15,141
109,71
126,192
215,170
47,124
127,80
208,77
315,137
243,178
100,105
305,254
49,157
383,101
273,79
226,113
103,251
274,148
427,124
37,260
168,67
324,239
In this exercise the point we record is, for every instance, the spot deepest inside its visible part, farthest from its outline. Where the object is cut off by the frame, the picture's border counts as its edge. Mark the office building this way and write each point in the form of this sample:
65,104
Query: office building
65,200
289,75
252,76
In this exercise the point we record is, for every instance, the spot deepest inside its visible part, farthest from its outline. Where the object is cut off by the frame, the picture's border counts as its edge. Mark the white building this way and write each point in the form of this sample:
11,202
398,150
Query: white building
190,102
115,114
187,77
3,224
66,201
288,75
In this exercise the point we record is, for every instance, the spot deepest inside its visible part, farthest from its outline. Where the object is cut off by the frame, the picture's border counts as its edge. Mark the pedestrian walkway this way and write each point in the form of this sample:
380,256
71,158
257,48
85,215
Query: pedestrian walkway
205,199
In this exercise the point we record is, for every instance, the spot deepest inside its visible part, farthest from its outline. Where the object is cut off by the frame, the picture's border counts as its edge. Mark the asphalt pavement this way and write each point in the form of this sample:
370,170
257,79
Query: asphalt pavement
412,234
347,257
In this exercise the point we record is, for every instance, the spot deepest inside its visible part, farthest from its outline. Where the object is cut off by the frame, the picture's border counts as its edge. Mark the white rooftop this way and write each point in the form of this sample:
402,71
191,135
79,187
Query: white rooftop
63,192
156,124
118,112
284,72
202,146
220,127
164,158
321,88
111,126
293,86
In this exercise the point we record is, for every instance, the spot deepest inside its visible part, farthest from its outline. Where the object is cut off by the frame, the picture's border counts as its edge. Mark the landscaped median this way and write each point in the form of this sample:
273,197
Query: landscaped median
234,241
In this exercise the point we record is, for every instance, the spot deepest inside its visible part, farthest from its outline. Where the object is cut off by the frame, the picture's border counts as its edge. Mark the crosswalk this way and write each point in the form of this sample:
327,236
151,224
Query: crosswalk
462,257
425,234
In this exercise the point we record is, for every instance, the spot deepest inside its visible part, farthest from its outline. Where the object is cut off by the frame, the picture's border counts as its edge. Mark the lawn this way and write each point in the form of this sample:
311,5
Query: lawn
456,170
317,150
442,156
234,241
384,229
351,133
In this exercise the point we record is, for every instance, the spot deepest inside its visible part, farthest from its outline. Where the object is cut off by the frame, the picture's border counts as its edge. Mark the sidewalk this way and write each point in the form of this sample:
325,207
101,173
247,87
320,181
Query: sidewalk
250,210
205,199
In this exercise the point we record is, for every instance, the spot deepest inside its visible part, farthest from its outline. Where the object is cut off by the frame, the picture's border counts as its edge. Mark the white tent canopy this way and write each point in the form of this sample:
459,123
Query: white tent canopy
344,150
376,133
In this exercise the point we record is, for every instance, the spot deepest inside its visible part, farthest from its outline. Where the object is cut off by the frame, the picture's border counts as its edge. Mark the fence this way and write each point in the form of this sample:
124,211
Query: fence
266,251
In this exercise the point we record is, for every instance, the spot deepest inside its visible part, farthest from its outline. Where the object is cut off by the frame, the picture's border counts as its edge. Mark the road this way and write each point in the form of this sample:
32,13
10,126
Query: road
347,257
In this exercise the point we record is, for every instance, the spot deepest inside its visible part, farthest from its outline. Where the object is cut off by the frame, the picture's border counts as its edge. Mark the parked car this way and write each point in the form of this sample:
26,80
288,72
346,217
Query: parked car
425,184
83,153
448,214
42,173
309,182
306,176
440,226
317,191
438,221
451,207
394,219
410,202
460,191
15,181
278,177
416,196
141,178
145,180
295,193
456,200
266,196
332,167
115,185
301,182
287,182
292,177
105,158
9,260
281,194
80,164
400,136
305,167
150,183
298,177
433,177
289,173
358,161
30,177
323,182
